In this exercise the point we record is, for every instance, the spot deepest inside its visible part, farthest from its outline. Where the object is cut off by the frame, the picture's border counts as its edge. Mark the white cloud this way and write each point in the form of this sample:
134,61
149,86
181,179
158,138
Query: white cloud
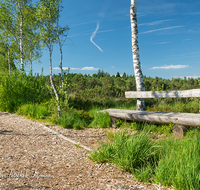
161,29
86,69
58,68
171,67
89,68
112,66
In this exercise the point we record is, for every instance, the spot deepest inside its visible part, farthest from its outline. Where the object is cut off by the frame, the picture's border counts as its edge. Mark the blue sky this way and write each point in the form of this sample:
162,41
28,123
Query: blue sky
100,38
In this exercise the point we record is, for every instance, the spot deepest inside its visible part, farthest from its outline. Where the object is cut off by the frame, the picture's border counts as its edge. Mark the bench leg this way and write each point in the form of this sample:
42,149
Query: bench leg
179,131
113,121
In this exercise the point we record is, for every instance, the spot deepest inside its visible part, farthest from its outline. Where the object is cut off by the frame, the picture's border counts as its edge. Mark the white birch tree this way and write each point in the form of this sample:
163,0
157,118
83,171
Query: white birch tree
47,15
32,48
61,37
7,31
20,15
136,58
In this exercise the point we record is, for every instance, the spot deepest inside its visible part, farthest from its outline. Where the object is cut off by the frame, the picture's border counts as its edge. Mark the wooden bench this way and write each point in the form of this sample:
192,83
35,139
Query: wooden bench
181,119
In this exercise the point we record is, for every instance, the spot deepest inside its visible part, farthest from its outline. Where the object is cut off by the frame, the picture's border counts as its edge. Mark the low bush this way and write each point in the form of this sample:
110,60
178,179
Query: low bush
33,111
101,120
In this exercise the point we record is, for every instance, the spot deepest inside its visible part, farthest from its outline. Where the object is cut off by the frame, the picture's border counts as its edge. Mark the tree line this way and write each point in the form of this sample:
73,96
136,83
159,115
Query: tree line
104,85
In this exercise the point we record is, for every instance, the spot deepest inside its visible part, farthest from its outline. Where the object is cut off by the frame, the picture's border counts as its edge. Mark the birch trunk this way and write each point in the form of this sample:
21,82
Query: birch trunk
21,43
31,63
9,56
61,55
136,58
52,82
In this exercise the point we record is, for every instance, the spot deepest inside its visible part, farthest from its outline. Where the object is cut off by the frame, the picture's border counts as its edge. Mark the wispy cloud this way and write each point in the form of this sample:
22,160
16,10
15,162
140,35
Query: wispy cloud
184,56
140,14
112,67
89,33
105,31
93,35
160,43
82,23
154,23
196,13
186,40
86,69
171,67
161,29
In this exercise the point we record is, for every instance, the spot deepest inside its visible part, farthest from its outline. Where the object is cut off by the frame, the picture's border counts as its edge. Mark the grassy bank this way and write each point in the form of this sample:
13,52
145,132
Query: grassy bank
169,162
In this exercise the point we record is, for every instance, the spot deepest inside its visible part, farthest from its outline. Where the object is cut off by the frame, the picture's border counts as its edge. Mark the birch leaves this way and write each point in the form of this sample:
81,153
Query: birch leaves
136,57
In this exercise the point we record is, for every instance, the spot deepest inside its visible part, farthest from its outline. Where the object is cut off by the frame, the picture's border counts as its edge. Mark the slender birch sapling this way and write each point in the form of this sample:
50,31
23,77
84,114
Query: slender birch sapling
47,15
61,33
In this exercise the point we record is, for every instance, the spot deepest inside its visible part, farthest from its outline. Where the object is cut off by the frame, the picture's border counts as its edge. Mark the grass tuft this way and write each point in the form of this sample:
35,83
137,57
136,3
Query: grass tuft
101,120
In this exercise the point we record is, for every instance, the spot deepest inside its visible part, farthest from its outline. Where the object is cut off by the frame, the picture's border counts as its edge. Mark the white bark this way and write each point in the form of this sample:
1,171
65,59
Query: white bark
61,55
136,58
31,63
9,68
21,42
52,82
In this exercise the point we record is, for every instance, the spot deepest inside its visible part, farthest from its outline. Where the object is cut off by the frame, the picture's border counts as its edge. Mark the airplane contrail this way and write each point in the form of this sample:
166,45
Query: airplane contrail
93,35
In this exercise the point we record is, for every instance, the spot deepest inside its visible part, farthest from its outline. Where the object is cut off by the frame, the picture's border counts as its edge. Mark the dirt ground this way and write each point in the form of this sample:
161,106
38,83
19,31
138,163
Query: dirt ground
32,157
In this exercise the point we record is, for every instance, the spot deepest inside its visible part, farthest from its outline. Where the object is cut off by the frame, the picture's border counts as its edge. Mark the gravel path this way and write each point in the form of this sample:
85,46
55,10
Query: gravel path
32,157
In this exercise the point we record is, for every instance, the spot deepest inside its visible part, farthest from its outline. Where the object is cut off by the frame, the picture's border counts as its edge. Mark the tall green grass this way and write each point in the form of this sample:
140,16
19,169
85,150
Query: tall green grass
168,161
101,120
18,88
34,111
179,164
133,152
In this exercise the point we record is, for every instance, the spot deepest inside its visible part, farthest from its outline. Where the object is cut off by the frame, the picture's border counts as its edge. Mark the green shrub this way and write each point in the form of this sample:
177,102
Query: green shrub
101,120
66,120
18,88
33,111
135,152
79,124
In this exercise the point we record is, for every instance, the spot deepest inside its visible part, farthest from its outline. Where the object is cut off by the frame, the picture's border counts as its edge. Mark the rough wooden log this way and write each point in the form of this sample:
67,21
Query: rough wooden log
163,94
179,131
187,119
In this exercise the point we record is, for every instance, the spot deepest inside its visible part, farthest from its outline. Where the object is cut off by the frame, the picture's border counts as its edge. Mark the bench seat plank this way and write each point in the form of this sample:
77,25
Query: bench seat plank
187,119
163,94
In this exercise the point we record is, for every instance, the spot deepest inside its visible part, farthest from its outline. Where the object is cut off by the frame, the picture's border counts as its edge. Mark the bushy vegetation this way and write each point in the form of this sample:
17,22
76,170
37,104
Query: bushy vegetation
169,162
18,88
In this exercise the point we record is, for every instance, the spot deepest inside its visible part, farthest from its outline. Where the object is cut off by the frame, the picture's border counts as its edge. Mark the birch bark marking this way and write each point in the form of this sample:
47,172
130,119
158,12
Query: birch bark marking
136,57
21,42
19,6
